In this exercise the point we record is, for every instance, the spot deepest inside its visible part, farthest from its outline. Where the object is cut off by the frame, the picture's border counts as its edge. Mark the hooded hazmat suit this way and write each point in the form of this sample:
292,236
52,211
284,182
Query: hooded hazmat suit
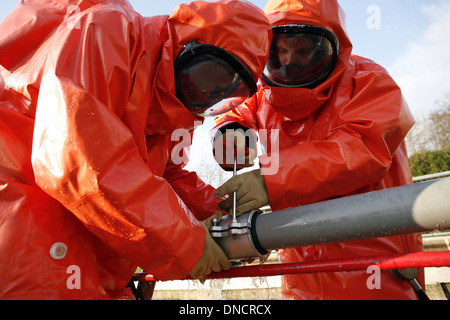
88,190
342,137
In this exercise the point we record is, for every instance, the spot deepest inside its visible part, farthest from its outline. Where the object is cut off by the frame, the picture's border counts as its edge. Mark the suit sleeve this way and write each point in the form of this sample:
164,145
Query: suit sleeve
86,158
196,194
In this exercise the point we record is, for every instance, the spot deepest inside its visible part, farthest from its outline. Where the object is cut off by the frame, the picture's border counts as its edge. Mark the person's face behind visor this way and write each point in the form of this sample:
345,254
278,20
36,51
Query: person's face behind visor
208,85
295,50
300,59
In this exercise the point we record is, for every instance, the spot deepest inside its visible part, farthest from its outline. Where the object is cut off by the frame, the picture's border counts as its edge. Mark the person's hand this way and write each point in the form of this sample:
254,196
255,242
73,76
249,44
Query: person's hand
251,192
213,259
234,143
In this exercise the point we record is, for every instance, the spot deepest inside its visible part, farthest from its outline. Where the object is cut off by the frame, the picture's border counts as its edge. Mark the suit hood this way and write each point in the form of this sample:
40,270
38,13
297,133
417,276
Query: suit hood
299,103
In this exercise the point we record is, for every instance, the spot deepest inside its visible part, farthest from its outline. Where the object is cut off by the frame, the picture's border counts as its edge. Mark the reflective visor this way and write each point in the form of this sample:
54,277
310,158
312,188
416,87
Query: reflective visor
301,56
209,85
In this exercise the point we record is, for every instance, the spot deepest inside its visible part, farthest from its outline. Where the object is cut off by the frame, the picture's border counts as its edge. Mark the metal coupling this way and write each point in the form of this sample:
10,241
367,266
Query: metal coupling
238,238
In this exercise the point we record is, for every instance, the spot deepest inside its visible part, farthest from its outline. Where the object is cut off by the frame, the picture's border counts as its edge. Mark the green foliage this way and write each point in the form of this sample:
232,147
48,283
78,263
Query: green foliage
429,162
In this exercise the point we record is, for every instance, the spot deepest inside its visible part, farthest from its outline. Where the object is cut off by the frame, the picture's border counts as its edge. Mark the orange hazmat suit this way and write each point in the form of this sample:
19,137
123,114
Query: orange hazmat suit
88,190
343,137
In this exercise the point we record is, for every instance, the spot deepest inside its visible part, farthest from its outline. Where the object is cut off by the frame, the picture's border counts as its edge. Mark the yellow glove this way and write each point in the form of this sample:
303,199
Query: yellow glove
251,192
213,259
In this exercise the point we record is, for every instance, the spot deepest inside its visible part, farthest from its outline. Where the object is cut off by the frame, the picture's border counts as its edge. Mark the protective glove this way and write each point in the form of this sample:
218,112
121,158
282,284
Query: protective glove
213,259
235,142
251,192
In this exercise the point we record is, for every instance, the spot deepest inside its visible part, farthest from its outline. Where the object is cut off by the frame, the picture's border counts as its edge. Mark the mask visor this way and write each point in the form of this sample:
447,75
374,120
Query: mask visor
210,84
301,56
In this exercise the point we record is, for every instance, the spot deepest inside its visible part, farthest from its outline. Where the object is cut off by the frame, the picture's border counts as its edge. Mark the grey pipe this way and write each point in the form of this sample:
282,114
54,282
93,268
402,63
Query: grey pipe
408,209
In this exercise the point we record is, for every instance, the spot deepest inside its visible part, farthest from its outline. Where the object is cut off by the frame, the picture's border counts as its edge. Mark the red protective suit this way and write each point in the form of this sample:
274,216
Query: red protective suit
341,138
87,108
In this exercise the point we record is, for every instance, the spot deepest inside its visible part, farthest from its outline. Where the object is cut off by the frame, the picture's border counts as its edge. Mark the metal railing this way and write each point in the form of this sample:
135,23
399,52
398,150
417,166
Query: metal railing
432,176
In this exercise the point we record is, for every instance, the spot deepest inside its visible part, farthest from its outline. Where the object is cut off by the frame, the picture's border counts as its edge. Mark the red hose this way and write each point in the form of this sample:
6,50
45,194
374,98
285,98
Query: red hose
394,261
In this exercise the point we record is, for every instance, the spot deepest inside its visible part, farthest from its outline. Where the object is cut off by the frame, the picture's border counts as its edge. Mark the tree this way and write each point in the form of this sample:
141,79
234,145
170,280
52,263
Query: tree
429,162
429,141
439,122
433,131
417,138
210,172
